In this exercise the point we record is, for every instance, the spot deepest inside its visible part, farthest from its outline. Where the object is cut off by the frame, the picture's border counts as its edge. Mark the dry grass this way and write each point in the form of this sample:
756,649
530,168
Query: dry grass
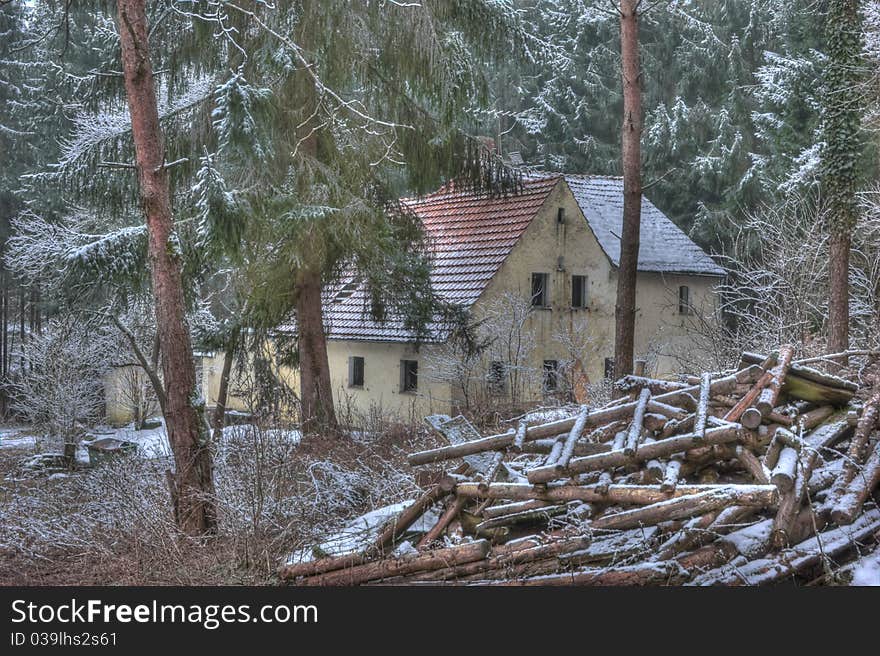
112,524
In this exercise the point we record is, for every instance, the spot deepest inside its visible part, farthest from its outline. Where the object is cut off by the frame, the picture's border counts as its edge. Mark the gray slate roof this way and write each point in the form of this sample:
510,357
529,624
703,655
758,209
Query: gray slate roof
472,234
663,246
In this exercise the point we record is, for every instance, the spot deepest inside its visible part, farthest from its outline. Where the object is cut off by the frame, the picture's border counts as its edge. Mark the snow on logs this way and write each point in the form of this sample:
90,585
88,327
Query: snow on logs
724,478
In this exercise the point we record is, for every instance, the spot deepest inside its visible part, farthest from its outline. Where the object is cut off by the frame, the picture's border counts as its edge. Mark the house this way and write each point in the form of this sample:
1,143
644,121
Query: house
538,268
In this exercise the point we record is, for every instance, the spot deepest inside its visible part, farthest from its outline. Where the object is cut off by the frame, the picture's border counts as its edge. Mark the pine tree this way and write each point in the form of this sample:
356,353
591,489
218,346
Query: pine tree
341,107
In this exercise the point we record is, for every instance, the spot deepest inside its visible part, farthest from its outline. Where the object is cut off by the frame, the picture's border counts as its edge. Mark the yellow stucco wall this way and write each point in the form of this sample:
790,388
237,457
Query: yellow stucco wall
560,250
564,250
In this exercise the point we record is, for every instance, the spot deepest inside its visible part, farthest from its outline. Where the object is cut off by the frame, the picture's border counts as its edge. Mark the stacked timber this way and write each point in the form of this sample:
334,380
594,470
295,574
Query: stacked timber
741,477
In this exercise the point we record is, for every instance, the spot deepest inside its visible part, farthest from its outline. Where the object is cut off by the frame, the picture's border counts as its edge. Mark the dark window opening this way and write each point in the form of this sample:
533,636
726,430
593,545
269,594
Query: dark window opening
609,368
355,371
540,284
684,300
560,215
497,377
409,375
578,291
551,375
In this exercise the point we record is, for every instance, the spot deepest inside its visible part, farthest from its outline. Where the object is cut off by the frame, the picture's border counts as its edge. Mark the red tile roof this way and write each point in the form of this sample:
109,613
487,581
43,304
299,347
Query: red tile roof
470,235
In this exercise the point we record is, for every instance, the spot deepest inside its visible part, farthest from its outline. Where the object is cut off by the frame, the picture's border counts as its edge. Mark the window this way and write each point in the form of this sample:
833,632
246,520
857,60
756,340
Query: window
684,300
578,291
560,215
355,371
497,377
540,285
551,375
409,375
609,368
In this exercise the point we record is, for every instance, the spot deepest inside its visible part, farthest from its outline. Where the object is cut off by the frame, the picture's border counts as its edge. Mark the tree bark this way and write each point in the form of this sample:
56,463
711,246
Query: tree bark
193,488
390,567
631,132
316,392
219,419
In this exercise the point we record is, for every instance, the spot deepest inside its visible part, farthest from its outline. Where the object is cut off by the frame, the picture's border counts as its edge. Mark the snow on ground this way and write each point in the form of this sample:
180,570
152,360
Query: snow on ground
17,438
242,430
152,442
866,571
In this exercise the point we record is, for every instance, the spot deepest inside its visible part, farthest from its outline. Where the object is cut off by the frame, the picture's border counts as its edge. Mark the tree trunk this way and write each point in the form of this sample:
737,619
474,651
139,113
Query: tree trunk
219,420
316,392
842,112
838,293
624,313
193,485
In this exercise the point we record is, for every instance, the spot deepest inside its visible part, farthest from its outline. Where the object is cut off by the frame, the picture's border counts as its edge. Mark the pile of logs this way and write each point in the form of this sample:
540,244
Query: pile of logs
742,477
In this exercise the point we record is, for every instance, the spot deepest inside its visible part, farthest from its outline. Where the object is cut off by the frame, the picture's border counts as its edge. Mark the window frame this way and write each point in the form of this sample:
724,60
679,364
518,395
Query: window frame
609,369
352,370
684,300
405,376
549,374
544,292
496,377
583,302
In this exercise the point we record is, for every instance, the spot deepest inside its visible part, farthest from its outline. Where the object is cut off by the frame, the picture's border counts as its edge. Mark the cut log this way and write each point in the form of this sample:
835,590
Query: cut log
448,516
617,493
668,411
807,374
855,456
671,475
554,428
669,573
752,464
751,418
690,536
390,567
702,407
397,527
509,508
769,396
849,504
605,481
520,437
654,385
575,434
555,452
736,412
784,472
688,506
807,553
292,572
636,428
659,449
790,503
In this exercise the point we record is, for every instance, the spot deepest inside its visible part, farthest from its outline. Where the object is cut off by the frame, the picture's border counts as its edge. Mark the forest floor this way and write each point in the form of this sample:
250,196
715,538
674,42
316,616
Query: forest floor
111,524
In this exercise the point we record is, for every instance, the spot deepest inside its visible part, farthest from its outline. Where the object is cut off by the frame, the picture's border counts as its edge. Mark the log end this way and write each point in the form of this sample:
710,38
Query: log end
751,418
783,482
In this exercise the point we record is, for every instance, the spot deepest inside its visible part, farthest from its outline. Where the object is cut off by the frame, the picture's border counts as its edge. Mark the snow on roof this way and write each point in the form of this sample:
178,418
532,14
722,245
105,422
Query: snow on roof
471,235
663,246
